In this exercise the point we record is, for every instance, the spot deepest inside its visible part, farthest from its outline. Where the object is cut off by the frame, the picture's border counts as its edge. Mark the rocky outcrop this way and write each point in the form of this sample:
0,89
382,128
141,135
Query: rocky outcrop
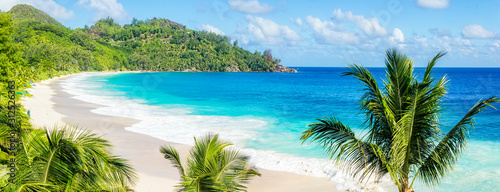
96,30
191,70
166,22
234,68
283,69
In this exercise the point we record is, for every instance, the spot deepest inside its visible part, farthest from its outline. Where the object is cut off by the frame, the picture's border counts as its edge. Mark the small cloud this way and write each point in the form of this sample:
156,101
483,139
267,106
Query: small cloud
105,8
434,4
370,26
48,6
421,41
397,36
495,47
497,44
252,6
477,32
242,39
210,28
297,21
325,32
451,44
269,32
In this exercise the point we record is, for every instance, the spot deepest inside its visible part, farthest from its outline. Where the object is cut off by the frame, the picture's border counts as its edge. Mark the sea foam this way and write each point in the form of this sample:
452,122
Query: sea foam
180,126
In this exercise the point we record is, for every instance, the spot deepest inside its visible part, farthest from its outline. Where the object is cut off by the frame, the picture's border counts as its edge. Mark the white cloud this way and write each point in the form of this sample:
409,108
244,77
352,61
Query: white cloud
252,6
269,32
244,40
497,44
451,44
421,41
397,36
457,46
105,8
371,45
325,32
210,28
495,47
434,4
369,26
477,32
297,21
397,39
48,6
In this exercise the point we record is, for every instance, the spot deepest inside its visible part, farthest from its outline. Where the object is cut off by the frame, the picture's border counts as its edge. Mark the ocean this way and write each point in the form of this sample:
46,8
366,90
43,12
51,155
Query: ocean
263,114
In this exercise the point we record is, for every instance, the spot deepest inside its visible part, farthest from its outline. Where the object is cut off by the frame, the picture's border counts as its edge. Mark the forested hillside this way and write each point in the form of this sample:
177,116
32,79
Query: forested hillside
150,45
35,46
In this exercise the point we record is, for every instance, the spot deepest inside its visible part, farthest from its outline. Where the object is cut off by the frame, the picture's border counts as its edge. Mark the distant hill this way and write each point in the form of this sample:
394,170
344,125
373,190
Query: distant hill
23,12
149,45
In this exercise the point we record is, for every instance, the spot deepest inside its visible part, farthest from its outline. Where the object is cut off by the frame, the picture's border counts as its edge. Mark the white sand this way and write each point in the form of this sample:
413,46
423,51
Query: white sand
155,173
40,105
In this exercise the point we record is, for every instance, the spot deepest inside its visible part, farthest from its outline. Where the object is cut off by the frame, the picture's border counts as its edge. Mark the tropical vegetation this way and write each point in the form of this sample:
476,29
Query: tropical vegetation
404,138
67,158
210,166
62,159
35,47
150,45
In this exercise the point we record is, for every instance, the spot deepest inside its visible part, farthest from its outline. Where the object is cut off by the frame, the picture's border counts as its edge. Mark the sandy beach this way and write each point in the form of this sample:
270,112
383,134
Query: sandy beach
50,105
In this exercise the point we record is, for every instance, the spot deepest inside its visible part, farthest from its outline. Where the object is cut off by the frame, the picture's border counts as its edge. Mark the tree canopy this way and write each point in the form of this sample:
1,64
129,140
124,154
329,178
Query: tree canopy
150,45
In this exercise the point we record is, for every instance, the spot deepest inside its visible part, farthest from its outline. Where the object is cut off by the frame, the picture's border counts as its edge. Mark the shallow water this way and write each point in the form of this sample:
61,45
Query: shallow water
264,113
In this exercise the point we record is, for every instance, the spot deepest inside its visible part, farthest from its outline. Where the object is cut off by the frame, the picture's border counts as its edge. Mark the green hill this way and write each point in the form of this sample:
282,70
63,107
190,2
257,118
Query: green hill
150,45
22,12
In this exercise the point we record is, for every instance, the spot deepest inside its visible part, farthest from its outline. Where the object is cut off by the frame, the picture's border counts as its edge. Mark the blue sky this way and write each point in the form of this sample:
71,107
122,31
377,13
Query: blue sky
315,32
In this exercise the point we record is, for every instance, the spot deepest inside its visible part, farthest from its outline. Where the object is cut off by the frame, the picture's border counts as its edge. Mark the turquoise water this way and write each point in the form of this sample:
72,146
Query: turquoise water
266,112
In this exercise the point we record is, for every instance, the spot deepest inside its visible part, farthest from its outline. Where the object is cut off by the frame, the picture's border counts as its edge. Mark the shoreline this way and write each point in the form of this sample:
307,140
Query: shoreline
142,151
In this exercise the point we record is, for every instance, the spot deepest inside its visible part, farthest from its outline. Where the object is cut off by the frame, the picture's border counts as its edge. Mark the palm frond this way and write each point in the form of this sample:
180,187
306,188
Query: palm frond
171,154
374,106
446,153
430,66
119,172
211,167
399,74
426,130
72,159
360,159
36,187
234,171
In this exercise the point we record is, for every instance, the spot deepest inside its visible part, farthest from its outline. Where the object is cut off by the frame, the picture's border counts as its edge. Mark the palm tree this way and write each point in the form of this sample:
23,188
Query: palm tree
67,158
404,139
211,167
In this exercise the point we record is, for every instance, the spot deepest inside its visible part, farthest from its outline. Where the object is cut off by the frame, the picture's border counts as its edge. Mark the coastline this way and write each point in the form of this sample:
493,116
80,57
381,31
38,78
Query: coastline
51,104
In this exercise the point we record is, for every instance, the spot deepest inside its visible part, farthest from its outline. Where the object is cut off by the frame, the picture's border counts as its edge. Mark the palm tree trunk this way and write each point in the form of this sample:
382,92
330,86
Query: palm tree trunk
404,187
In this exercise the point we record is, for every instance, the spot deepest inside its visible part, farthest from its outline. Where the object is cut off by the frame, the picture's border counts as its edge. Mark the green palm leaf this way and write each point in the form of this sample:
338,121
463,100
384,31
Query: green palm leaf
171,154
449,149
373,105
404,139
361,159
68,158
210,166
